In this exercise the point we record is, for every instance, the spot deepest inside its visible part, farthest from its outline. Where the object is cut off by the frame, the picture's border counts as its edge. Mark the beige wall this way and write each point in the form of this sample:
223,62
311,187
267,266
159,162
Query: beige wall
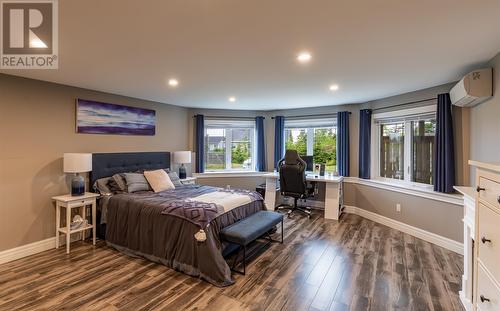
485,124
37,122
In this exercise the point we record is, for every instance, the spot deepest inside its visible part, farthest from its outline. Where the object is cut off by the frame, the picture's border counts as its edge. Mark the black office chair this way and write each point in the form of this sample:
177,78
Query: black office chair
292,170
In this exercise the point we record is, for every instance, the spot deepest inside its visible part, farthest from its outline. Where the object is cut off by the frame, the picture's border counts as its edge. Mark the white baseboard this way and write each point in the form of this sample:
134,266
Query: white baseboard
430,237
35,248
465,302
27,250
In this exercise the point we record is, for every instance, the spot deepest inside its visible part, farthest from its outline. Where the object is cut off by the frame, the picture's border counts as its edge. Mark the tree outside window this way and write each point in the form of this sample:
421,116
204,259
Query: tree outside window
320,142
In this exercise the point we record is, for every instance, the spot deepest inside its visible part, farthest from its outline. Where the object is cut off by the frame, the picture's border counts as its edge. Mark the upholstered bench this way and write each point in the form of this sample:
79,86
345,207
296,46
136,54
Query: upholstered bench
250,229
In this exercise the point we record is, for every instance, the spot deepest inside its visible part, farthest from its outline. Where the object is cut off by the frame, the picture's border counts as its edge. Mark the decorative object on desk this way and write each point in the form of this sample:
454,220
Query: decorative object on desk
182,157
100,118
77,163
317,167
321,170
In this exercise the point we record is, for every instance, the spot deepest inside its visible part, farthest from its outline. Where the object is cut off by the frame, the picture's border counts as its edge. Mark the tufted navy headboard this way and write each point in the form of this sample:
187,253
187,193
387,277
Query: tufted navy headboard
108,164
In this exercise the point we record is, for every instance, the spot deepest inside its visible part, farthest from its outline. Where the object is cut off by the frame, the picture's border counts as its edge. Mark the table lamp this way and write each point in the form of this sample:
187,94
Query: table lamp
77,163
182,157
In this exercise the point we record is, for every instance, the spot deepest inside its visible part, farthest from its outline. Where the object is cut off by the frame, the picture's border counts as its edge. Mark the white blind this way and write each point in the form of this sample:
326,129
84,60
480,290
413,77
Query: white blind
413,114
229,123
310,123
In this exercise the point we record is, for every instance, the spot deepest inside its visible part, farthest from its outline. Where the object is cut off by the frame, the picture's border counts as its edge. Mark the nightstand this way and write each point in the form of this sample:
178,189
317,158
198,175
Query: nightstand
69,202
188,181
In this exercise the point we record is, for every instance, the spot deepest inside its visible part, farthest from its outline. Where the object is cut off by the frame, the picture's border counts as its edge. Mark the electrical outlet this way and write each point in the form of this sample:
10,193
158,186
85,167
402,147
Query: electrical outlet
398,208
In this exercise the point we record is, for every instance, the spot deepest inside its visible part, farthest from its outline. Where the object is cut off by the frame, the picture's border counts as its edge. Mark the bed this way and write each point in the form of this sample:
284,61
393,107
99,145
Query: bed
178,228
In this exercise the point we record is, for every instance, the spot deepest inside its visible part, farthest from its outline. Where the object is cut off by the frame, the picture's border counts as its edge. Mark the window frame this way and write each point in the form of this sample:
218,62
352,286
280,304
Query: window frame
228,141
407,116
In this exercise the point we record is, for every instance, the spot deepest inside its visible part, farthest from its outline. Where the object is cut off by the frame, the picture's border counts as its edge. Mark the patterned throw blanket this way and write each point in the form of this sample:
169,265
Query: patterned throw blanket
202,204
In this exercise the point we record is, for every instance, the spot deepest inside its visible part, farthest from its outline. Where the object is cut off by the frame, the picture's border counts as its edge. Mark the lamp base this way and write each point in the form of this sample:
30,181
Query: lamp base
77,186
182,172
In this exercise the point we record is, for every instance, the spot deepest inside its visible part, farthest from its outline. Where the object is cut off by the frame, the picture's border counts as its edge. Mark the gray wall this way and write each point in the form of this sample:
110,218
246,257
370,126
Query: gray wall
37,122
353,122
434,216
38,126
485,124
441,218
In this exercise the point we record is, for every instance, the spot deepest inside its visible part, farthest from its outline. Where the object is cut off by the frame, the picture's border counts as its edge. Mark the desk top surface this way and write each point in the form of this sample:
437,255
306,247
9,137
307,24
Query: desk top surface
311,177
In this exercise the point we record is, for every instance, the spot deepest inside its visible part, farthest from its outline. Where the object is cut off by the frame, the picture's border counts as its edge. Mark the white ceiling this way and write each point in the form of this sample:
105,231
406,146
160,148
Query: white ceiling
247,49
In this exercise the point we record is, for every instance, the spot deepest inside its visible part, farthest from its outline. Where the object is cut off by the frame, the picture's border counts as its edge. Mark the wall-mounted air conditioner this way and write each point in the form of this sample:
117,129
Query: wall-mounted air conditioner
473,89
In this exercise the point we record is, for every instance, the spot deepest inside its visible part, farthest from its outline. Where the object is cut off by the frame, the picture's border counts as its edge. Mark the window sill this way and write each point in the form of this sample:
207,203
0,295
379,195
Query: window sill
410,189
225,174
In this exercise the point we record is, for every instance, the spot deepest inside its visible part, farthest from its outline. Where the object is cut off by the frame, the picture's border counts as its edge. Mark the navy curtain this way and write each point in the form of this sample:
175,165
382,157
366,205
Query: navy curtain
261,147
200,143
444,155
279,139
365,132
343,142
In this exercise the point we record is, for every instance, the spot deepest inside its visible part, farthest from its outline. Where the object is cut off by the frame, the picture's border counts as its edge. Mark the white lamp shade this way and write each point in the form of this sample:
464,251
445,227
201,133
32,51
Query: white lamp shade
77,162
182,157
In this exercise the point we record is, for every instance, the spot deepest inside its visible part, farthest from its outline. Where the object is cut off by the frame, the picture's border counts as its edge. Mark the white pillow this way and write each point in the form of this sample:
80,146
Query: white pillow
159,180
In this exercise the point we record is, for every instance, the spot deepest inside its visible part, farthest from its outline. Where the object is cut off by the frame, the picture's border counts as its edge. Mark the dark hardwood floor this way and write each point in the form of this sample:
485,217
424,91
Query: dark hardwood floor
354,264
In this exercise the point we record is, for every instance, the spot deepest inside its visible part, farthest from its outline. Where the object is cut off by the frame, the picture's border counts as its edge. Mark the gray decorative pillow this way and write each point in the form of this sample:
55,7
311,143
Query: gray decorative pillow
101,186
117,183
136,182
175,179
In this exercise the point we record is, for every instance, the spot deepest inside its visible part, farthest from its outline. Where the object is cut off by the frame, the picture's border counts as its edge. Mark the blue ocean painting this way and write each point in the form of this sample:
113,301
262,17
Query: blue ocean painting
100,118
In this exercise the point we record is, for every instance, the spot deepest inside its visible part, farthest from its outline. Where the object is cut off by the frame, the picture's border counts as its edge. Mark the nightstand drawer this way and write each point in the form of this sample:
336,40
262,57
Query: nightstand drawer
491,192
87,201
488,293
489,239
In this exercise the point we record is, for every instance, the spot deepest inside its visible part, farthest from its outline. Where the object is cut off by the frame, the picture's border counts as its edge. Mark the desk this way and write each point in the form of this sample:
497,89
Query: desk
333,195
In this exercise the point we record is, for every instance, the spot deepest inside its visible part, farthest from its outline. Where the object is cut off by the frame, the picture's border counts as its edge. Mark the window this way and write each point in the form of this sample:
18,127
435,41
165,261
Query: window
317,138
405,142
392,142
229,145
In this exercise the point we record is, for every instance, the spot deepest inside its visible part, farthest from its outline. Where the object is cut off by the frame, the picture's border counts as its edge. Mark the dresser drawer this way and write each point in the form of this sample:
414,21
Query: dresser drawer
488,291
491,192
489,252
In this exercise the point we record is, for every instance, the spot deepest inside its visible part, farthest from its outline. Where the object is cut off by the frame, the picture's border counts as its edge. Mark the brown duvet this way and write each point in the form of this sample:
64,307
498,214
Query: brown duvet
145,224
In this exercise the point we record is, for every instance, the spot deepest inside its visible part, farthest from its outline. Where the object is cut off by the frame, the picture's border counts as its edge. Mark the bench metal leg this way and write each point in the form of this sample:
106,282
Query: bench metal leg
244,260
282,231
236,261
270,240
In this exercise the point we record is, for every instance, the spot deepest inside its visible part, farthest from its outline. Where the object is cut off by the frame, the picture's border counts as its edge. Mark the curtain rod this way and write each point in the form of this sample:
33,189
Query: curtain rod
229,117
312,116
407,103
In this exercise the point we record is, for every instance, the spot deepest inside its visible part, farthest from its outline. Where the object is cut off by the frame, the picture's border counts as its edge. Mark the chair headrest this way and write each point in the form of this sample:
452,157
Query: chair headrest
291,157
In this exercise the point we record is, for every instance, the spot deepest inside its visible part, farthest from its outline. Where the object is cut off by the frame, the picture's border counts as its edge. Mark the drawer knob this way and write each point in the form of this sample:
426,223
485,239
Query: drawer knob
483,299
480,189
485,240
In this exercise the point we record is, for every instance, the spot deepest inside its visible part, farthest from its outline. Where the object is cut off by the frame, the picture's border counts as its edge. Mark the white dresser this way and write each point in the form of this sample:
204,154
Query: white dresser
486,293
469,220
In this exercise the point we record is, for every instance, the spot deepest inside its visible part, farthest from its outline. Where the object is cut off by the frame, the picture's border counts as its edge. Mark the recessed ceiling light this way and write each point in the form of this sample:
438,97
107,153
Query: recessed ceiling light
334,87
173,82
304,57
232,99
